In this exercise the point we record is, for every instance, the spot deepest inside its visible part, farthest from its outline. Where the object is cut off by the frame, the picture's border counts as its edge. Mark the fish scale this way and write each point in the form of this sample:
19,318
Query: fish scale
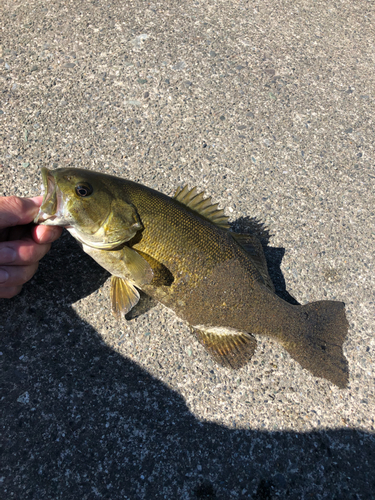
181,252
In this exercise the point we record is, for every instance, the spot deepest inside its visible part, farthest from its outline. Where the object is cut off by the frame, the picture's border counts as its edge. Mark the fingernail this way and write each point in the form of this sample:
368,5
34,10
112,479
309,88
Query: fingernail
52,235
47,238
36,199
3,275
7,255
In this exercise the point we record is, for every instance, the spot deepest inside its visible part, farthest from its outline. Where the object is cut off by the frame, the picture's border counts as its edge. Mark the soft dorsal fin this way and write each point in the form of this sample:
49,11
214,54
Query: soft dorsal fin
253,247
203,206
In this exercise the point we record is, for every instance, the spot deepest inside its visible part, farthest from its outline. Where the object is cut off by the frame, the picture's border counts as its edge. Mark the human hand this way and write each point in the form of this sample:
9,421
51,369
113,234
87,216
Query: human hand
22,245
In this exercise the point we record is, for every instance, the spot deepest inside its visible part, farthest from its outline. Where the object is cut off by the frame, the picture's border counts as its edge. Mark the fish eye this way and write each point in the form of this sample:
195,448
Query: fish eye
84,190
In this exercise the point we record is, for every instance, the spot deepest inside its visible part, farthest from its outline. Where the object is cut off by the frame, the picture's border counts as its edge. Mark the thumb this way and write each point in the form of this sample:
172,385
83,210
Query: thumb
15,211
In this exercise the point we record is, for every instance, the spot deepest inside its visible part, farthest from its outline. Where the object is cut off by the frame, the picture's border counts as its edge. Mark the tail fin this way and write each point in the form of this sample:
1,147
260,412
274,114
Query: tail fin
319,348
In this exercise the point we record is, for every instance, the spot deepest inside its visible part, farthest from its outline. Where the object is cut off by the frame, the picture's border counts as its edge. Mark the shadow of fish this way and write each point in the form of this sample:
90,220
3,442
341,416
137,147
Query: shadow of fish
181,252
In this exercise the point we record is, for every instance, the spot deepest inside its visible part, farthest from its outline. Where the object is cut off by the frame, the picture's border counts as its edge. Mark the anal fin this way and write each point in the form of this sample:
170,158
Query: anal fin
124,296
231,350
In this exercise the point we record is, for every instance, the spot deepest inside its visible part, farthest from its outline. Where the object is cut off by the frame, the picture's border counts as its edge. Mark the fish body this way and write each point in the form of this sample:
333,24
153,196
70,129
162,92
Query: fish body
181,252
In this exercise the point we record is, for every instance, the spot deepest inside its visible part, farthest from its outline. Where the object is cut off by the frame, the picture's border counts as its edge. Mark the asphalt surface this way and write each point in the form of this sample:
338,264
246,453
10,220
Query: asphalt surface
268,107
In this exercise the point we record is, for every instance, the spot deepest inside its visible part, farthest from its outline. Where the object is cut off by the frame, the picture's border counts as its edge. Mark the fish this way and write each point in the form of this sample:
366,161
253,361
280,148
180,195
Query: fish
181,252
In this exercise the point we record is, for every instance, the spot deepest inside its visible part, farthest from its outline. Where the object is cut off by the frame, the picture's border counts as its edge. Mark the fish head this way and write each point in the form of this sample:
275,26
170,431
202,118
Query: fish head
89,206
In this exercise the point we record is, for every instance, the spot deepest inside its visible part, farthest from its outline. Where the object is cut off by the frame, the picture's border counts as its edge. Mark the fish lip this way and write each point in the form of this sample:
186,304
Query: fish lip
51,209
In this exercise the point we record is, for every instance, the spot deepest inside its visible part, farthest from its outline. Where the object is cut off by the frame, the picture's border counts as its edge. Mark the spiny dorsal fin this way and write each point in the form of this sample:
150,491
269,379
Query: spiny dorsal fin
253,247
203,206
229,350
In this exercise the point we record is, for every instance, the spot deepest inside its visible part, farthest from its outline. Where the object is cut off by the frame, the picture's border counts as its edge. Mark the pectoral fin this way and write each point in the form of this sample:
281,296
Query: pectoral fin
232,349
138,268
124,296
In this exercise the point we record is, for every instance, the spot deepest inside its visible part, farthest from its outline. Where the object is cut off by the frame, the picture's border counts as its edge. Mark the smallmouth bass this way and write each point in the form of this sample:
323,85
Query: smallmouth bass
181,252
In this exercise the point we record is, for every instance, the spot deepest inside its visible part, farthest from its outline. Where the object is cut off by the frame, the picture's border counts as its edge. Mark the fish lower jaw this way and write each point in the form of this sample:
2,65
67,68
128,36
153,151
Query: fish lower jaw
56,219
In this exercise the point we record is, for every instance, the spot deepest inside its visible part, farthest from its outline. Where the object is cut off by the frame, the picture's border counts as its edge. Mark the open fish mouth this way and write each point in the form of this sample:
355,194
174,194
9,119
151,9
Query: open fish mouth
51,212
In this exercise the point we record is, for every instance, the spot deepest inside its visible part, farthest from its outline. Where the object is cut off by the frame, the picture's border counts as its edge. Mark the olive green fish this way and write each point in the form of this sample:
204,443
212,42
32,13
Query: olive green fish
181,252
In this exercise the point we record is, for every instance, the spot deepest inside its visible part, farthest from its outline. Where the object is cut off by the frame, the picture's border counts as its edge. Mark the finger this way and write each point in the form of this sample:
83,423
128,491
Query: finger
11,276
19,232
46,234
15,211
22,253
8,293
4,234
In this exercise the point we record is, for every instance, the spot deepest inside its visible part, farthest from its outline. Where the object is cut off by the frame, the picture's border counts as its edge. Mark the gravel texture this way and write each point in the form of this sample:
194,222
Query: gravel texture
267,106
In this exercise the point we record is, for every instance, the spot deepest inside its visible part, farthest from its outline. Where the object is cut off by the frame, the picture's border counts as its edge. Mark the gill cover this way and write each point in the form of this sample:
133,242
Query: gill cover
122,223
88,206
